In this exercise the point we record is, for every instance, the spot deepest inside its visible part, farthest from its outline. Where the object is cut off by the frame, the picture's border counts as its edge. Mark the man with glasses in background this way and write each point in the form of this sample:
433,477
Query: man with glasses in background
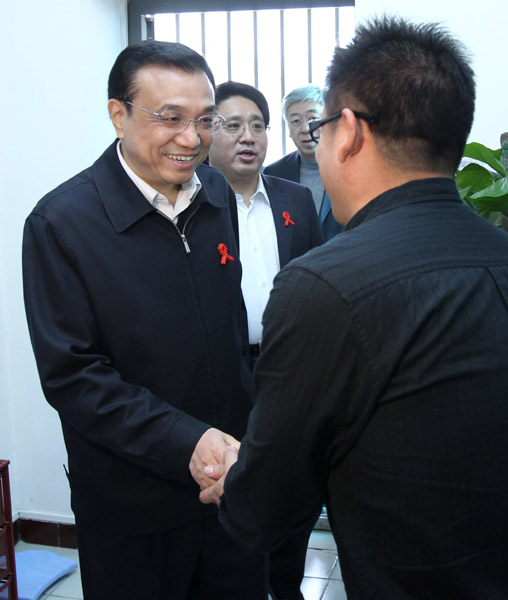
133,297
277,222
301,107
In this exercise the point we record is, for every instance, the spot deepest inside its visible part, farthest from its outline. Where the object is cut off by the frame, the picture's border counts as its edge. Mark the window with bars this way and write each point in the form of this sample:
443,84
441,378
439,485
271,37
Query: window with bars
276,50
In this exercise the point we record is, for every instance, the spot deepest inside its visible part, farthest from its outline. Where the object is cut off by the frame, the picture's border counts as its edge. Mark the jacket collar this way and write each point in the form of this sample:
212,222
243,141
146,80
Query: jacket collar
123,202
274,186
293,162
413,192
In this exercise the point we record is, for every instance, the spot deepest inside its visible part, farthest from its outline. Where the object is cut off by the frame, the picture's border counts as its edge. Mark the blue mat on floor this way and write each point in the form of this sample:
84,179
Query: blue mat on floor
36,570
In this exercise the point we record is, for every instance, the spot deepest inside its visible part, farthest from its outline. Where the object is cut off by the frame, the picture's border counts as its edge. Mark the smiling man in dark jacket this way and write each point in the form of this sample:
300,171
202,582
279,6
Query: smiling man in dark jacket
132,288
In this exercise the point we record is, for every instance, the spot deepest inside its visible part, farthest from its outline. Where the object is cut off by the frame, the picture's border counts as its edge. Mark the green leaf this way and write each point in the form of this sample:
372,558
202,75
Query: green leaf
489,203
474,177
497,189
464,193
491,157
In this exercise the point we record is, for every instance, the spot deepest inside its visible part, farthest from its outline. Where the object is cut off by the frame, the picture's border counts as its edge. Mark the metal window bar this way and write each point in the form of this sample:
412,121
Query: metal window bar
148,27
282,77
203,34
309,41
256,60
229,43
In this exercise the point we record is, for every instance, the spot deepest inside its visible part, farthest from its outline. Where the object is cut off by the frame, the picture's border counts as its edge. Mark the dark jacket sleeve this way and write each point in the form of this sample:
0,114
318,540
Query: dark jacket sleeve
306,416
79,381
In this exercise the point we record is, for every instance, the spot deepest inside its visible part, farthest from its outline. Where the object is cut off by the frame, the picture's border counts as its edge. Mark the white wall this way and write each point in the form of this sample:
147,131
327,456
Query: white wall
56,59
481,26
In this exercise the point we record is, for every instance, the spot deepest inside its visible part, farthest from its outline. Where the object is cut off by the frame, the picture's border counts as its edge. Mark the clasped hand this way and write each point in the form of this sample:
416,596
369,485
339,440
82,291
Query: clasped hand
210,462
219,473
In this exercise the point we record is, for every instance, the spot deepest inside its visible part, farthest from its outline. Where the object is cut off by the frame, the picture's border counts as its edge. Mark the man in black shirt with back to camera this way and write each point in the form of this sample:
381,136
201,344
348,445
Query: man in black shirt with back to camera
382,385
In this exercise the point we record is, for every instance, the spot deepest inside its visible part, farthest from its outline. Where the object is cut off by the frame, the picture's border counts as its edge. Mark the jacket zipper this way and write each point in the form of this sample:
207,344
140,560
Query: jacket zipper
181,233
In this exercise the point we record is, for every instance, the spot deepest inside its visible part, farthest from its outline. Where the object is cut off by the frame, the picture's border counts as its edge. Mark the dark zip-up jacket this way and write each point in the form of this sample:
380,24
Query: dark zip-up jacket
135,327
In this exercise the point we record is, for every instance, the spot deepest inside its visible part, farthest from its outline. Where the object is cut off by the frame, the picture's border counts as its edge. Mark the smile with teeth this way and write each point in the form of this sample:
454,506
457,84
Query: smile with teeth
180,158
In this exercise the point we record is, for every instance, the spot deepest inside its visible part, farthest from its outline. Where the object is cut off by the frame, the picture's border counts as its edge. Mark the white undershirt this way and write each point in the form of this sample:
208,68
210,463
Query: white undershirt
259,255
159,201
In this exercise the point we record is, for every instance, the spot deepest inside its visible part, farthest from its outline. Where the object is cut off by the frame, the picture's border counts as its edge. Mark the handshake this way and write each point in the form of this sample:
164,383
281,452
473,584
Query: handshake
213,456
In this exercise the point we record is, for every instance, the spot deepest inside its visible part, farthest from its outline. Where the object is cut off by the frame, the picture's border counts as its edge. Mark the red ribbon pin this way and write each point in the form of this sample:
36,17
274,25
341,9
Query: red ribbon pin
287,219
224,256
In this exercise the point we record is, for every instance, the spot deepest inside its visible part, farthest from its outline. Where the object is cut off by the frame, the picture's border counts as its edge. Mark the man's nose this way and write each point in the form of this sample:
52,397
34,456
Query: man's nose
246,133
190,135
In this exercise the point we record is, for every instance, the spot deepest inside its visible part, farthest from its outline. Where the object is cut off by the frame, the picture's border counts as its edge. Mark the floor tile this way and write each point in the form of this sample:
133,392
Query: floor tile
336,573
52,588
335,591
322,540
313,588
70,587
319,563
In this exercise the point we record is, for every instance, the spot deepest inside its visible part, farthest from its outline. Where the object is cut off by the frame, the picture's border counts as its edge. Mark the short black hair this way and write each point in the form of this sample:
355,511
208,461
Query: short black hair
416,81
121,84
233,88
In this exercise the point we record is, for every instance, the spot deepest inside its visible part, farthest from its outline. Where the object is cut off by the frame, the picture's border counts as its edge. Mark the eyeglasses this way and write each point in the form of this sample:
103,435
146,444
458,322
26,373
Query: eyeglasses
256,128
315,126
297,123
177,121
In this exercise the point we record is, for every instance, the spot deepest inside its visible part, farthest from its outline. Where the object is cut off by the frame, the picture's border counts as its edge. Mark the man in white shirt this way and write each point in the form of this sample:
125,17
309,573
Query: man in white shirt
277,219
277,222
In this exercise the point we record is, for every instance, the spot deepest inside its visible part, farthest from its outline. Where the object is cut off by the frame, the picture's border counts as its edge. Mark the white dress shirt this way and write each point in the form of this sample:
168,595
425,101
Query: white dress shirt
159,201
259,255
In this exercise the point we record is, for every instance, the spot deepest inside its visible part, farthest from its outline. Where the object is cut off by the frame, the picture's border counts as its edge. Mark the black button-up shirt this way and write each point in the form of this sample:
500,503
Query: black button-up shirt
382,388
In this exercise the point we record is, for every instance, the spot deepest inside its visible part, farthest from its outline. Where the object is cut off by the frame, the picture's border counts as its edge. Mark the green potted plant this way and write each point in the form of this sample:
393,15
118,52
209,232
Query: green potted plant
483,184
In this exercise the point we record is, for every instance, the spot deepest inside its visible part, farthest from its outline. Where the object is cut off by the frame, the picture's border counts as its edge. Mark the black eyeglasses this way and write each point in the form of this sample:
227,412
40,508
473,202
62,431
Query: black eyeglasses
315,126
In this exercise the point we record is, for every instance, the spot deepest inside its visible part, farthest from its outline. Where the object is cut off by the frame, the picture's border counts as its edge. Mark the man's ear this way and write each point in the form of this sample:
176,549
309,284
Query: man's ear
351,135
117,114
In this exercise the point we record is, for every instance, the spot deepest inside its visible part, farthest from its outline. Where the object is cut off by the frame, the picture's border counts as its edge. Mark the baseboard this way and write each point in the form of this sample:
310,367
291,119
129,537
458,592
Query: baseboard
62,535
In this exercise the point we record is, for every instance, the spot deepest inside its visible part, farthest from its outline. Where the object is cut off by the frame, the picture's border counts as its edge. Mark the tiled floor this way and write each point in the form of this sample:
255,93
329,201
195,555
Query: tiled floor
322,581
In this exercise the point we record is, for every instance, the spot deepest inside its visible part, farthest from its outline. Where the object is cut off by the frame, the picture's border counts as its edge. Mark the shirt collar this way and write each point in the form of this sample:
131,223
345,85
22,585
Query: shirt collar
416,191
260,193
188,189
